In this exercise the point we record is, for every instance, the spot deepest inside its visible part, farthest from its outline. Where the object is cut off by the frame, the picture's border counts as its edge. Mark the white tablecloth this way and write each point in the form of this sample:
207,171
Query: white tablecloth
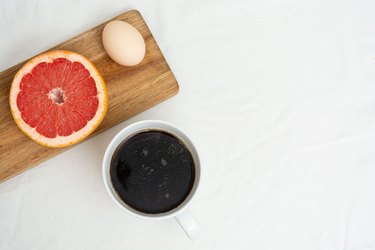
279,97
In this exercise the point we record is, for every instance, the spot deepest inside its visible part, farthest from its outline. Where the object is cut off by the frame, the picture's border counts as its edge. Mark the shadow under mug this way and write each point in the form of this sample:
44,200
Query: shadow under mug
184,218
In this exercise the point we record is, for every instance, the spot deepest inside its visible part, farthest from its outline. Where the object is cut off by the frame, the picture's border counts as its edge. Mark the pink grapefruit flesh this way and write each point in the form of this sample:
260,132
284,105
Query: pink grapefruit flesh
58,98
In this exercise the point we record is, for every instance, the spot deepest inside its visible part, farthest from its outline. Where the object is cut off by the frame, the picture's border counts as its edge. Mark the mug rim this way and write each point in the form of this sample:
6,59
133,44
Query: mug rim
127,132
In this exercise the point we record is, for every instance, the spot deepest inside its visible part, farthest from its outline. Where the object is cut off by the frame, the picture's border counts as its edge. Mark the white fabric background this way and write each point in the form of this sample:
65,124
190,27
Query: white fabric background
279,97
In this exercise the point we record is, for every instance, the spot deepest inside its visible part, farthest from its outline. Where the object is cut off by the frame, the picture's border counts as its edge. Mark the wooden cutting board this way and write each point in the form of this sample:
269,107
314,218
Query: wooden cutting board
131,90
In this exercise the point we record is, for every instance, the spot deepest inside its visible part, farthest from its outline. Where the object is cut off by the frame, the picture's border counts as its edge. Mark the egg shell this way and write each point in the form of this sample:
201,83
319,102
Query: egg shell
123,43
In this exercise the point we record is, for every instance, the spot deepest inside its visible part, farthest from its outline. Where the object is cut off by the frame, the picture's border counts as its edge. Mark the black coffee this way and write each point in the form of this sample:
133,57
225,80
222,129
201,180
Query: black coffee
152,171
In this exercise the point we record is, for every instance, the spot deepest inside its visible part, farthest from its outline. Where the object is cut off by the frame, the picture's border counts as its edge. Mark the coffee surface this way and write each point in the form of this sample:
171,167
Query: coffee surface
152,171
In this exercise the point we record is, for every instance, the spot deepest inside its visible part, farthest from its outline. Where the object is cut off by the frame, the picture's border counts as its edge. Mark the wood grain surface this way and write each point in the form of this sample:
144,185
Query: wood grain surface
131,90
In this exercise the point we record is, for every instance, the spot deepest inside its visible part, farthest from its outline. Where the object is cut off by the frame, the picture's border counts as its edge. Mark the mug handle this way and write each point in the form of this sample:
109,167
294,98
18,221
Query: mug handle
189,225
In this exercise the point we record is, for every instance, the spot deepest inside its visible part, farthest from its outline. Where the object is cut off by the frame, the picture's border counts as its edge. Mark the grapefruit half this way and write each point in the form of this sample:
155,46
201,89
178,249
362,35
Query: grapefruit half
58,98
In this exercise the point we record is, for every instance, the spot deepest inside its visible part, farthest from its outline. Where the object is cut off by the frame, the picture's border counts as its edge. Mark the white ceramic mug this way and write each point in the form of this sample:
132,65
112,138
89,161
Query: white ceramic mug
181,214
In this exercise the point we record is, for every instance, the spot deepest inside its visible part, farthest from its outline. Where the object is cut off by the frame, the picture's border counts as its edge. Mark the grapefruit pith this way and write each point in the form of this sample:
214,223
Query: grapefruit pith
58,98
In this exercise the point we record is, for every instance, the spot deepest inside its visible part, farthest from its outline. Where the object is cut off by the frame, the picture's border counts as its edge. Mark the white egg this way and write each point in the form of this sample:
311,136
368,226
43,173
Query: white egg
123,43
